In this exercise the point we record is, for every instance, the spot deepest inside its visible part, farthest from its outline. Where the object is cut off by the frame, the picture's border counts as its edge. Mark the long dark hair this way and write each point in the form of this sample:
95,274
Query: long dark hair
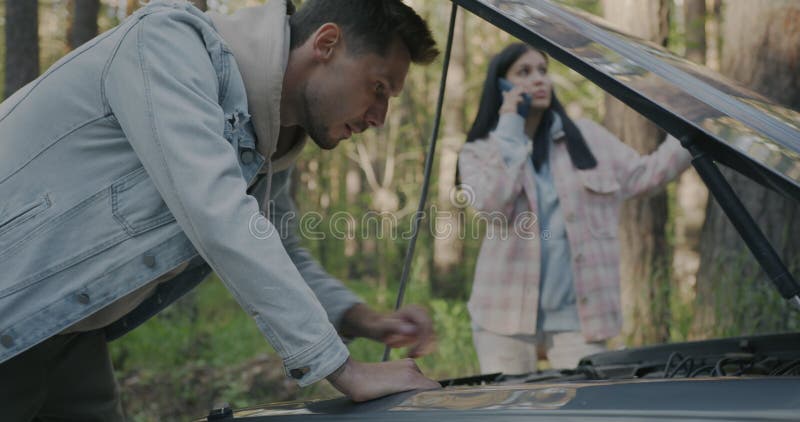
491,100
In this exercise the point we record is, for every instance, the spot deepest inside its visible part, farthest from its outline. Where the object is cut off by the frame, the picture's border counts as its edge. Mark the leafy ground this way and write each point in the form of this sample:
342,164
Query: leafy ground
204,350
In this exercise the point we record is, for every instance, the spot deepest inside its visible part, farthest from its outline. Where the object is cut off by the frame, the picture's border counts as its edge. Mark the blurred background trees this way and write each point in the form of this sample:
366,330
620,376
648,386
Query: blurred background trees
363,194
644,250
761,51
22,44
83,25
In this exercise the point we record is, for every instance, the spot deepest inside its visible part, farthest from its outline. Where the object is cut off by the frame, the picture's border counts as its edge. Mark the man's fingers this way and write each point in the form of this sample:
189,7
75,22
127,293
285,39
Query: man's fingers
366,381
407,328
422,349
396,325
410,326
425,340
400,340
417,379
397,340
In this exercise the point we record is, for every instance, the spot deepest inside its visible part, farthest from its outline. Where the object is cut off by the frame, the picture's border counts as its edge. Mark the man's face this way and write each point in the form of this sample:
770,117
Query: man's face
350,93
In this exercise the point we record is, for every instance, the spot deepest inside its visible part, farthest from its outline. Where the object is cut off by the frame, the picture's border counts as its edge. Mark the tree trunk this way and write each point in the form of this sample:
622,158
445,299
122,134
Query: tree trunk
734,296
694,14
22,44
691,193
713,40
352,245
84,22
645,254
448,246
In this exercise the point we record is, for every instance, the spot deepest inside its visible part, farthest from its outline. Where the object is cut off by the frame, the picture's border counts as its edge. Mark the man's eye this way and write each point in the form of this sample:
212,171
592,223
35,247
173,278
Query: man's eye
379,88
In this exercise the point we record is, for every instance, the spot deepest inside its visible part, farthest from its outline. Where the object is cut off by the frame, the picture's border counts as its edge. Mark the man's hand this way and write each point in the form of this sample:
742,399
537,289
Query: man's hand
367,381
409,326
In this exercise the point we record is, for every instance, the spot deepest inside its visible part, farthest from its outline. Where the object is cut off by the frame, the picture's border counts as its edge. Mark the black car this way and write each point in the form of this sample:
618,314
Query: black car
753,378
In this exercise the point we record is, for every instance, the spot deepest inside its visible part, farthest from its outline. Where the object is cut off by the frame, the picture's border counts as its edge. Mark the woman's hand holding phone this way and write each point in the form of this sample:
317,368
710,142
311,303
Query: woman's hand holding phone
515,99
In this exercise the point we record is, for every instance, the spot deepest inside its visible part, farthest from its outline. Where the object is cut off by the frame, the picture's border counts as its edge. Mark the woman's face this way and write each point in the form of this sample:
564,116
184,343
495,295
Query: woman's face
530,73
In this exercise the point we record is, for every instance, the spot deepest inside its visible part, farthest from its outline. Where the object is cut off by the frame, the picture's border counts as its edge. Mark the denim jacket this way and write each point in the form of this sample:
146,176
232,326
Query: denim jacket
132,155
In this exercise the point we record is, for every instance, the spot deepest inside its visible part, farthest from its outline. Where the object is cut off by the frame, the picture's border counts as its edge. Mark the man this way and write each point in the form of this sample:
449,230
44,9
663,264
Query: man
136,164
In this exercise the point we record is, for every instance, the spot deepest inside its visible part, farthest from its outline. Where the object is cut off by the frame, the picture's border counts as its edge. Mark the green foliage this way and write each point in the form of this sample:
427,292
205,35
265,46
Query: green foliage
676,39
746,302
205,349
680,307
591,6
681,320
455,355
206,326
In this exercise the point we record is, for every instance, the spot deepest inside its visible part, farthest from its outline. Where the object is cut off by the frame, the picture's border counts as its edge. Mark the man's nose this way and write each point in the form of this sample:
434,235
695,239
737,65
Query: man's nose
376,115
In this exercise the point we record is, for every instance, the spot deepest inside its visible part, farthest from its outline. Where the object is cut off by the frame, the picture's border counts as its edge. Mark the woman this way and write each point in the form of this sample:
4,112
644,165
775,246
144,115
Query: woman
552,282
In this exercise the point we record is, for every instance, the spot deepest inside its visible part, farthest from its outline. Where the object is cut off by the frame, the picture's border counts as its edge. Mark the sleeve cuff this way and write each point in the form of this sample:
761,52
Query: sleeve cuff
679,155
510,127
514,145
318,361
338,305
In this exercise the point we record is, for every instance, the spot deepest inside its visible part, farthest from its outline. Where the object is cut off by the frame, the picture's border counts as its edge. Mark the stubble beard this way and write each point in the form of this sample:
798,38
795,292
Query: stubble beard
312,121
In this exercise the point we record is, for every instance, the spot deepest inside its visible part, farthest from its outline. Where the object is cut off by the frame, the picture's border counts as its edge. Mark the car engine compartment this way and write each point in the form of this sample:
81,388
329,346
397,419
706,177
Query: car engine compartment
764,356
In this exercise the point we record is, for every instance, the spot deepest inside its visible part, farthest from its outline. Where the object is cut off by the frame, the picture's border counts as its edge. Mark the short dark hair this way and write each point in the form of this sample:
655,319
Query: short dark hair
369,26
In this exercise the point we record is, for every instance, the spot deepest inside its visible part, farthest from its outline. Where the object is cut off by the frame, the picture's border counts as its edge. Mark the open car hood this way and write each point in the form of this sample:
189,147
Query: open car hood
731,123
644,400
715,118
644,384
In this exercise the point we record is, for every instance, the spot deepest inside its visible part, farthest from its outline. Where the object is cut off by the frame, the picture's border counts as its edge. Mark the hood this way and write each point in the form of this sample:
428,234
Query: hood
259,39
734,125
715,118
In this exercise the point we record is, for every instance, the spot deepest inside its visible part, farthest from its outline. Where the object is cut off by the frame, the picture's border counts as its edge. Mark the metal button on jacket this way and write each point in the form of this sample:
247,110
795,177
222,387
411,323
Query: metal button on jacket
7,340
149,260
247,156
83,298
298,373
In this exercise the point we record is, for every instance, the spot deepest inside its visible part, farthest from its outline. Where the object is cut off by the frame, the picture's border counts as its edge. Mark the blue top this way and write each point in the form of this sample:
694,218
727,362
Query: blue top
557,310
557,307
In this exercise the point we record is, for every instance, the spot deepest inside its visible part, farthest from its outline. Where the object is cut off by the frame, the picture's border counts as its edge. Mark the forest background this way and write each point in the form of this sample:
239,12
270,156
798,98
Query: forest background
686,274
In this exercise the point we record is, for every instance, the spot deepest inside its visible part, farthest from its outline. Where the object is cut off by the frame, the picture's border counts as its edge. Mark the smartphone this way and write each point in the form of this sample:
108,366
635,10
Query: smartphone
525,105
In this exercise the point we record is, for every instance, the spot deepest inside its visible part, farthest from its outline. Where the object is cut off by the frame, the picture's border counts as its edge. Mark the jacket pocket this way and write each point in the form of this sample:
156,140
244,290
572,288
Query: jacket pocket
43,248
601,202
18,216
137,205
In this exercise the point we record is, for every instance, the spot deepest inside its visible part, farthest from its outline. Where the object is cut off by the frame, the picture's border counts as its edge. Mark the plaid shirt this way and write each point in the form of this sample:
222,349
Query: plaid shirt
505,292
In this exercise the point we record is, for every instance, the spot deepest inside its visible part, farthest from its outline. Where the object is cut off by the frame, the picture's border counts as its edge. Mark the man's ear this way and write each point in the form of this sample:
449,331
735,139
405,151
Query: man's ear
325,41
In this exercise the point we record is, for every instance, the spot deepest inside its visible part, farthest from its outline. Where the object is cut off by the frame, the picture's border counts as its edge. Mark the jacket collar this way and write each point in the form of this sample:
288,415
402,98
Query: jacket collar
259,39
